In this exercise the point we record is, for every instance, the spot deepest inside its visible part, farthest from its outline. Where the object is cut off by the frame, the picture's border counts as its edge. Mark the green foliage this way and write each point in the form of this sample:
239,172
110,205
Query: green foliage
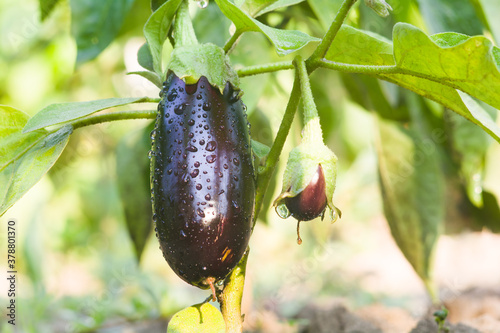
95,24
285,41
156,31
434,67
202,317
28,156
412,189
132,171
431,157
62,112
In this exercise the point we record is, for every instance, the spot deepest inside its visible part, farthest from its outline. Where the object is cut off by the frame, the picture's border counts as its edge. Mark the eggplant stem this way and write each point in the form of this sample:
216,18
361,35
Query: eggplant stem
210,282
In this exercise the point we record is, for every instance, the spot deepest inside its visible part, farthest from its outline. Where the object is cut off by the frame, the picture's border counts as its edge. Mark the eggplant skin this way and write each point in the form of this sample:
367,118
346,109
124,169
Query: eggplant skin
202,179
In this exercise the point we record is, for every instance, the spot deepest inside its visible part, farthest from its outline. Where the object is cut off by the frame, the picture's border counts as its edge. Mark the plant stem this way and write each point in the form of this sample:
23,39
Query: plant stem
112,116
312,129
229,44
266,68
330,35
183,27
265,173
361,69
230,298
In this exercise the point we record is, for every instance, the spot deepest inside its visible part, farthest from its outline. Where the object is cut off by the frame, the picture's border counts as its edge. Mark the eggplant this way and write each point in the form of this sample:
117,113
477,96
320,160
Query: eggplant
202,179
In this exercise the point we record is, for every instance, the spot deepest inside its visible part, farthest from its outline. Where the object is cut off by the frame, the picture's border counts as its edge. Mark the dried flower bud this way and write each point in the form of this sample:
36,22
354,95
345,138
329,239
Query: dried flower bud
380,7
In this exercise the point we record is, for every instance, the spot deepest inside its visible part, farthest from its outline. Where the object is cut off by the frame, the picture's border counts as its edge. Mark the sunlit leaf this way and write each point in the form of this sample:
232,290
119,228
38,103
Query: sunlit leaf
285,41
470,64
197,318
13,143
132,172
62,112
417,54
156,30
95,23
28,168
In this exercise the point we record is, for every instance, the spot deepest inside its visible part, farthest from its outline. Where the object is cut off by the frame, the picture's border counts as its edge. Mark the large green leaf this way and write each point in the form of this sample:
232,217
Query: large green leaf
132,169
62,112
29,167
412,191
156,30
421,59
470,64
13,143
95,23
285,41
197,318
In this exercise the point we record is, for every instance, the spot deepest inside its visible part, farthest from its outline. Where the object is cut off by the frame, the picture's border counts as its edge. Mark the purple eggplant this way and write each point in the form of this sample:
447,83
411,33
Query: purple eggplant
202,179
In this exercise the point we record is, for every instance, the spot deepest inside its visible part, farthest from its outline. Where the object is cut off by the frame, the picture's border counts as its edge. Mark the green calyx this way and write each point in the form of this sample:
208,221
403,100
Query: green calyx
190,60
301,166
194,61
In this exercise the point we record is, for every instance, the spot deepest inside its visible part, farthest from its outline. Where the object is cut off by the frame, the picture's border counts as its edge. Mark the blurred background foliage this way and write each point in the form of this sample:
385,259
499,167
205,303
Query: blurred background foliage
78,266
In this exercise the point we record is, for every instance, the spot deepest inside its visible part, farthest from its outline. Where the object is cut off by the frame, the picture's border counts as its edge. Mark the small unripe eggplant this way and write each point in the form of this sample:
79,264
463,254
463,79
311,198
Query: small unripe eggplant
308,184
202,179
311,202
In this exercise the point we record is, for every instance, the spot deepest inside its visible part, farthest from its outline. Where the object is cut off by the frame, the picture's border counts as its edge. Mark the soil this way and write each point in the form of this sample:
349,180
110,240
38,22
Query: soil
474,311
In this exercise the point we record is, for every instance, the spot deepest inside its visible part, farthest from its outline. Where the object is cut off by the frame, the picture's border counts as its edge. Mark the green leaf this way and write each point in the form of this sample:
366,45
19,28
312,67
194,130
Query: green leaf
156,30
155,4
466,64
13,143
62,112
197,318
153,77
46,7
354,46
273,5
259,149
28,168
95,23
144,57
252,7
412,187
285,41
132,169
